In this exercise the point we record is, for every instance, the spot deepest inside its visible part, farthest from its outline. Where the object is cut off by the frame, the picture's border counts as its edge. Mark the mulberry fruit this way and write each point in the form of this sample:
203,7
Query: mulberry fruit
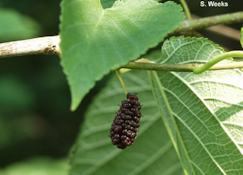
125,125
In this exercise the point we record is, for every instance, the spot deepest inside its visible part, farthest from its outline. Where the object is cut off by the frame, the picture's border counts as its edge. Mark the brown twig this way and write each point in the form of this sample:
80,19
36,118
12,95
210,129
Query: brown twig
42,45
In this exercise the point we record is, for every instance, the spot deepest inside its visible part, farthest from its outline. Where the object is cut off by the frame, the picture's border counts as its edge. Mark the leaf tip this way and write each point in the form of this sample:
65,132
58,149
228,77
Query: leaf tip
73,107
75,102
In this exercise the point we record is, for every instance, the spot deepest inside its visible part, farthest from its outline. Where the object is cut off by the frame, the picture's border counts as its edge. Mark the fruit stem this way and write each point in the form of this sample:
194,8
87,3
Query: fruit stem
121,80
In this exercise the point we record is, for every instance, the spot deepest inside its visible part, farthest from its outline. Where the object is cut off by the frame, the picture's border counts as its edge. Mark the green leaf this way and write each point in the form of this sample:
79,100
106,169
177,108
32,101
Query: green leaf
203,113
152,152
95,41
15,26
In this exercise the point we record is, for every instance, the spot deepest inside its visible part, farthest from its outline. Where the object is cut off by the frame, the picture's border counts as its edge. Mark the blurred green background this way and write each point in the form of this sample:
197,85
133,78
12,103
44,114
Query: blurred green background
35,116
36,124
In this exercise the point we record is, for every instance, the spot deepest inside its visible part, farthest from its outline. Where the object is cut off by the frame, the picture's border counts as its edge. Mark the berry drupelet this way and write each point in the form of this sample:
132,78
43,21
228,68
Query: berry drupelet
125,125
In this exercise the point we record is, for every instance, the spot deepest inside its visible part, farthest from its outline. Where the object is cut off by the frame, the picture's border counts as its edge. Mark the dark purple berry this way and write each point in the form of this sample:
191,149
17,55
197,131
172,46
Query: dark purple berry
125,125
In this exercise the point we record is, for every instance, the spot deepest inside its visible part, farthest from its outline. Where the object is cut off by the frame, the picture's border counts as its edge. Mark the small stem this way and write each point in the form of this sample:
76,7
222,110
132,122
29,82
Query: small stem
206,66
160,67
121,80
190,25
186,9
179,67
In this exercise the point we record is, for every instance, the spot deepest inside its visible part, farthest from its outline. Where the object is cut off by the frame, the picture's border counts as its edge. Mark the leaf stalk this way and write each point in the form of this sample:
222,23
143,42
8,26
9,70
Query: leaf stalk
186,9
206,66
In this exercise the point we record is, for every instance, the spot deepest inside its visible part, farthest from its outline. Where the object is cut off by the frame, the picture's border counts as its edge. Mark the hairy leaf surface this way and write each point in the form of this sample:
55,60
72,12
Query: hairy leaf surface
203,113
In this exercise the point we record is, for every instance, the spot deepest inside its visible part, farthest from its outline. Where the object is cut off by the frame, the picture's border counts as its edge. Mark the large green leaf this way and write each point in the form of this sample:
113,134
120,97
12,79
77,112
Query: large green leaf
95,41
152,152
203,113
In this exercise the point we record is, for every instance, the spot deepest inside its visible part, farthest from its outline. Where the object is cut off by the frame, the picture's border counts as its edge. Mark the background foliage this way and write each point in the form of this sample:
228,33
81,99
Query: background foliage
34,94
